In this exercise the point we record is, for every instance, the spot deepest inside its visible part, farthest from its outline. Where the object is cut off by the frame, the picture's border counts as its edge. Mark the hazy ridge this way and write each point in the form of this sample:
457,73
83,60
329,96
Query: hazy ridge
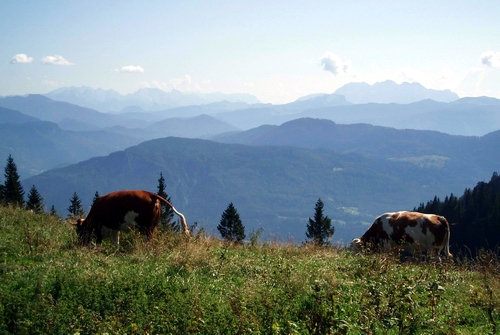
291,155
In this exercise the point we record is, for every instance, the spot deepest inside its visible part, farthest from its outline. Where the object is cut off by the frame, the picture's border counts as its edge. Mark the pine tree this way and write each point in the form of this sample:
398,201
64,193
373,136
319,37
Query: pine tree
12,191
167,214
96,195
320,230
53,211
75,209
35,201
230,227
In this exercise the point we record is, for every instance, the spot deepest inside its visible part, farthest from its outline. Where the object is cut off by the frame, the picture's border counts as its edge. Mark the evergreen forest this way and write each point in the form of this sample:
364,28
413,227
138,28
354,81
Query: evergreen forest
474,217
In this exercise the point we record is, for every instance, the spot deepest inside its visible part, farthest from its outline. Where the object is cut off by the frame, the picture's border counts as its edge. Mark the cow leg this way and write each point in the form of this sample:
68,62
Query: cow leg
98,238
85,238
115,237
435,255
146,235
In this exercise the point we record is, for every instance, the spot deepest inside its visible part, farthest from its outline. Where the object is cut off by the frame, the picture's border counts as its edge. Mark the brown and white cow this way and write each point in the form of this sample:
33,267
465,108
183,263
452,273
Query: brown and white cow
123,210
415,232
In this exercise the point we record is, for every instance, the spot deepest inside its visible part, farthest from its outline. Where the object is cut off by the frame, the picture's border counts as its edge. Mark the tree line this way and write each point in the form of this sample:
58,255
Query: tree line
474,216
231,228
12,193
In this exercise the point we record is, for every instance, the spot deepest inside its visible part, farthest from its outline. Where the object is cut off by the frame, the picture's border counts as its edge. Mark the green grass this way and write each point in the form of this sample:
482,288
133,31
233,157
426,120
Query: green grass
49,285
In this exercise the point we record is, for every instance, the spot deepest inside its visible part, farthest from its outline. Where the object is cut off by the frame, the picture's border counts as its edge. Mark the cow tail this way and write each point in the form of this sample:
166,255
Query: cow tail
183,218
447,246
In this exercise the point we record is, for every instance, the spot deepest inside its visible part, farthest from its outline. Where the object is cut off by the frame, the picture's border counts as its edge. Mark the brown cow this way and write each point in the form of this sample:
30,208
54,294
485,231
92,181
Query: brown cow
122,210
415,232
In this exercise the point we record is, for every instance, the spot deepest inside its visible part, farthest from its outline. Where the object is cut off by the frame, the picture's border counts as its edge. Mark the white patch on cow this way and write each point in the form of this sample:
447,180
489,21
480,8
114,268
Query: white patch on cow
387,228
413,232
129,220
422,242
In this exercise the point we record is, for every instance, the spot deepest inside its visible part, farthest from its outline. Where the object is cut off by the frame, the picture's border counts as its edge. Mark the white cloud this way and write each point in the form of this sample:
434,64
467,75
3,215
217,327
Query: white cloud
472,82
50,83
438,79
21,58
491,59
184,84
154,84
160,85
55,60
204,86
132,69
332,63
180,83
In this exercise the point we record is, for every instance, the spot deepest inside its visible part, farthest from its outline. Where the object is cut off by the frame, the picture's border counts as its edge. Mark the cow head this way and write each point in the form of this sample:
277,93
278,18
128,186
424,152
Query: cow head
356,245
82,231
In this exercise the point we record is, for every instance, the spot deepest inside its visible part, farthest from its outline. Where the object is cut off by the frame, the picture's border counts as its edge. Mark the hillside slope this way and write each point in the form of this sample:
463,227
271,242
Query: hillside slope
424,148
272,187
50,285
39,146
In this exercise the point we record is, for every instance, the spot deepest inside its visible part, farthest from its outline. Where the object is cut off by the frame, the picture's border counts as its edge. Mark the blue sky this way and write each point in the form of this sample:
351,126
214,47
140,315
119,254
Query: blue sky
276,50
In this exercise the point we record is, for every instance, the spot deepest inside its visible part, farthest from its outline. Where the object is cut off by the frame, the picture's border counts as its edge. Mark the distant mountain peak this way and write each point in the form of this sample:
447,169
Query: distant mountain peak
147,98
36,97
391,92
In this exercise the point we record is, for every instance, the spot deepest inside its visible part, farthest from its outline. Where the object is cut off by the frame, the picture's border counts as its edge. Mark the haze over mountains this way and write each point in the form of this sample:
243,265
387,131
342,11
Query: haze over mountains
390,92
361,152
154,99
467,116
151,99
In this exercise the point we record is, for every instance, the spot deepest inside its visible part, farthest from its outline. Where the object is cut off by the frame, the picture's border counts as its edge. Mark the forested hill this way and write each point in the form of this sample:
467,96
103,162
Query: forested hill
475,216
472,158
272,187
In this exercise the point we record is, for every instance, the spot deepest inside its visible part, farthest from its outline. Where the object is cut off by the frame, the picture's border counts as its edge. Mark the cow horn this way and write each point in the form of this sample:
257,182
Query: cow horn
78,222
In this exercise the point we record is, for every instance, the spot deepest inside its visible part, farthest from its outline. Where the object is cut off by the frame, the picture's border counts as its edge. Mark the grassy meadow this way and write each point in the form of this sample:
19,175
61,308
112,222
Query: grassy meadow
172,285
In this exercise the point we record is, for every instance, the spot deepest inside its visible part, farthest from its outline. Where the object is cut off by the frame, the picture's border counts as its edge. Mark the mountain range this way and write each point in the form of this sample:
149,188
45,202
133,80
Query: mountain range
151,99
46,109
155,99
359,171
39,146
272,161
466,116
390,92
